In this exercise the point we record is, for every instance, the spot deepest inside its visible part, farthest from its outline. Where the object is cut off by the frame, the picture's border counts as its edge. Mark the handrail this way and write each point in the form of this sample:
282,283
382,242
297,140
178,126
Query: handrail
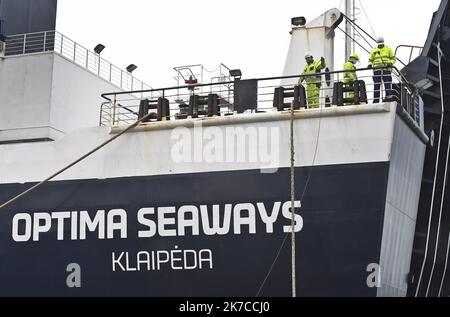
412,47
123,105
31,33
193,86
53,41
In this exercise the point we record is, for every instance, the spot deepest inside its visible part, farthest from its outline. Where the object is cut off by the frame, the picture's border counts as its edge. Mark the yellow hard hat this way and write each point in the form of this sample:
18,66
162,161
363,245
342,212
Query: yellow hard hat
355,56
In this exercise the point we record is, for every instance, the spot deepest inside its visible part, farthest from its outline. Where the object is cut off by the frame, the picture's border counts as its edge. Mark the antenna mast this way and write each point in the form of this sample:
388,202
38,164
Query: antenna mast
349,13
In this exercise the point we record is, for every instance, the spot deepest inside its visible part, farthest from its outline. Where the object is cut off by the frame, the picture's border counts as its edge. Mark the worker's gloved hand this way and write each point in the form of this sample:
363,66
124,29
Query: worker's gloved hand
322,59
369,66
389,64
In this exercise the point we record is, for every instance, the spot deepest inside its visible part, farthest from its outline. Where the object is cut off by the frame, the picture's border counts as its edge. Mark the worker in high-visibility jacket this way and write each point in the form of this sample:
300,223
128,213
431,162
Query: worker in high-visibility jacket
350,76
313,83
382,59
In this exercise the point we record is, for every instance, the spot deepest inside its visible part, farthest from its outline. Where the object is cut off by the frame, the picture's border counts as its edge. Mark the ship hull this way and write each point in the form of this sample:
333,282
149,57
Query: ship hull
339,224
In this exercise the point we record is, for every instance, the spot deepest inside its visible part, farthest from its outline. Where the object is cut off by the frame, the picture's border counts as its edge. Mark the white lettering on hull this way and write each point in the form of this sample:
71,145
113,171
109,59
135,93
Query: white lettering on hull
239,219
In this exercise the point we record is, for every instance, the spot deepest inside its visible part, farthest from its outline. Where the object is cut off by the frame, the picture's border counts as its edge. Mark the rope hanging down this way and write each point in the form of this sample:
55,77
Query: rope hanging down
293,242
12,200
305,189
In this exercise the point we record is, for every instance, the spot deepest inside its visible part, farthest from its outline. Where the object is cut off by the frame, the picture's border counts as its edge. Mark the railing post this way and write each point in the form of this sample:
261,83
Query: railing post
62,43
114,111
74,51
24,43
121,79
45,41
401,96
101,114
98,70
110,72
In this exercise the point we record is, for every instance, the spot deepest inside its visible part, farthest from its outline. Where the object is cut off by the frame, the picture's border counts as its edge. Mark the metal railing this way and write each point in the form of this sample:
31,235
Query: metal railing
53,41
412,51
120,109
203,75
221,75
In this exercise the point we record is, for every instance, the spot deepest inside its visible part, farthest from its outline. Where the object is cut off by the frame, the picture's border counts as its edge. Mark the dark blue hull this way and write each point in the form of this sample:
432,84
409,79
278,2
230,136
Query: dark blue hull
342,212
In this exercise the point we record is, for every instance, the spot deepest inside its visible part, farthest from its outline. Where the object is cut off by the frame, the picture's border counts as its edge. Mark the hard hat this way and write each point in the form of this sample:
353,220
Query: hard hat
380,40
308,54
355,56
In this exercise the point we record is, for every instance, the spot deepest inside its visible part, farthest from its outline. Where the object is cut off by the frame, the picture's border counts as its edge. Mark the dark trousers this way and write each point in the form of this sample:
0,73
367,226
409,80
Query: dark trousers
384,76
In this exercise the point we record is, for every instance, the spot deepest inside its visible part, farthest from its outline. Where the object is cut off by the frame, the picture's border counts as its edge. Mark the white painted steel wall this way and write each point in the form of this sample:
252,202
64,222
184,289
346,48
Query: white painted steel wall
303,40
25,93
403,193
76,96
47,96
358,134
316,37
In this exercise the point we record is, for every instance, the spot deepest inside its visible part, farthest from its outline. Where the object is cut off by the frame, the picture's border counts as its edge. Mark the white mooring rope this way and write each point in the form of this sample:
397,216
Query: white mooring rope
293,242
12,200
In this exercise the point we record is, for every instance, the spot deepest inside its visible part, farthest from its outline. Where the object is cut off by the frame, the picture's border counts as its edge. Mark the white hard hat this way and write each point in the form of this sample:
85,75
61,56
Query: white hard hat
380,40
308,54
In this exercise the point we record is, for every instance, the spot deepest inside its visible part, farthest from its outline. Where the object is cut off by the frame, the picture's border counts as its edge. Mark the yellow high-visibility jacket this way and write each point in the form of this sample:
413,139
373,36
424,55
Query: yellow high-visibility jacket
313,68
381,57
350,73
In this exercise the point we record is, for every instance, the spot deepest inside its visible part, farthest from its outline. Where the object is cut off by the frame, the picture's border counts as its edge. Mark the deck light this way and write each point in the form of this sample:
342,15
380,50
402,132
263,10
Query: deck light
131,68
99,48
298,21
236,73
